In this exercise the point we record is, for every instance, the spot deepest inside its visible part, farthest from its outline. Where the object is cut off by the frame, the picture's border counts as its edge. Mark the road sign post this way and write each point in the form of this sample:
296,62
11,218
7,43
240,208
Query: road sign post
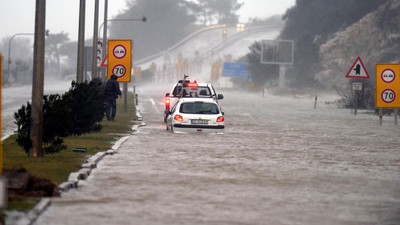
279,52
357,86
120,63
357,71
387,87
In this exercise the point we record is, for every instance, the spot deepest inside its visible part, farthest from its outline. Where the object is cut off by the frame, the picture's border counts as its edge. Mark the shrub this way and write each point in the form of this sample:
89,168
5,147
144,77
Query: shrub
54,111
79,111
87,104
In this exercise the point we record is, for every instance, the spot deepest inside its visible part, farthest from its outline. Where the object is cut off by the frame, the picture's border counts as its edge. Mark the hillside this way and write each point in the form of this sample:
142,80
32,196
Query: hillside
375,38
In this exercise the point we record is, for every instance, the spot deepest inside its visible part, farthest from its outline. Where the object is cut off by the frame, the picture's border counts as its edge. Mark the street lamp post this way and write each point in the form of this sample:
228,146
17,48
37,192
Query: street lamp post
9,49
9,52
143,19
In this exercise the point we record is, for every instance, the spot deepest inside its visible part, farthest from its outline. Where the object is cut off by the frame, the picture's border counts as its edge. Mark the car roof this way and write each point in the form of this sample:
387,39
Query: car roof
198,84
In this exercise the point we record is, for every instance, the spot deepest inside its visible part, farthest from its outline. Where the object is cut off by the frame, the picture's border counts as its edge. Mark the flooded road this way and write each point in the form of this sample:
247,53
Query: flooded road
15,96
280,162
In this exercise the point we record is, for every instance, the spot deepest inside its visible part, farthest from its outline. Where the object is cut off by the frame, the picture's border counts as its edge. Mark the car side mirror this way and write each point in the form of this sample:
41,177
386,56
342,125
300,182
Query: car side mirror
220,96
223,113
167,112
167,95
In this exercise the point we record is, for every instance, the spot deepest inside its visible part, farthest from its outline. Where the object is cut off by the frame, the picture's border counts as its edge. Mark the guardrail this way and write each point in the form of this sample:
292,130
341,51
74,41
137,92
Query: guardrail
152,57
231,39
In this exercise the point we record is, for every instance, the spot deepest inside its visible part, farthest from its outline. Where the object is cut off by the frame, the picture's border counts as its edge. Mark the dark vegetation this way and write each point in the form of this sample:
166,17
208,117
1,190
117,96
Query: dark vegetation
311,23
79,111
38,177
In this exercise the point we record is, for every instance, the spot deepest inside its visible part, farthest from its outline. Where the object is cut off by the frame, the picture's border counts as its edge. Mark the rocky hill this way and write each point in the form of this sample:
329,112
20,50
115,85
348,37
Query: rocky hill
375,38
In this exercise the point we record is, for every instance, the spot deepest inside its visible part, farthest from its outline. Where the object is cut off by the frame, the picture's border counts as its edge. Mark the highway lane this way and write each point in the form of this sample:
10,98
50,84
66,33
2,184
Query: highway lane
280,162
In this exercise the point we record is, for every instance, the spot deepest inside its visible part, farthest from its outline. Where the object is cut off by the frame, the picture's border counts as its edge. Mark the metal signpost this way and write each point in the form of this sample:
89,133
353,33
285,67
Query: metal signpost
357,71
278,52
120,64
387,88
356,86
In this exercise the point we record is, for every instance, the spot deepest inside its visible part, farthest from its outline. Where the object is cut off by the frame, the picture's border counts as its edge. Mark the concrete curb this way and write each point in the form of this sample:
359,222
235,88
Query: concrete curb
75,177
89,165
34,213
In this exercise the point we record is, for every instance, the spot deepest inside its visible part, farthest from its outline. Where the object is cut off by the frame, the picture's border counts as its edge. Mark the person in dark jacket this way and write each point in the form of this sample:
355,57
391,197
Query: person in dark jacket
112,91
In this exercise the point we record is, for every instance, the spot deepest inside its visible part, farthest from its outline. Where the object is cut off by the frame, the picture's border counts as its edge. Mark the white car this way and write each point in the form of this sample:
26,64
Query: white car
198,115
187,89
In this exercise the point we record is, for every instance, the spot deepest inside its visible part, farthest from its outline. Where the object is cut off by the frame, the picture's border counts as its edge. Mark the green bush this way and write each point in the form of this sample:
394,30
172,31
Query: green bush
79,111
87,104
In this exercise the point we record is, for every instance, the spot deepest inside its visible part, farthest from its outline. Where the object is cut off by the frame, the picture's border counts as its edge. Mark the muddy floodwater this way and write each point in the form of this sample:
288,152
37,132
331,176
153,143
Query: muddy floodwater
280,161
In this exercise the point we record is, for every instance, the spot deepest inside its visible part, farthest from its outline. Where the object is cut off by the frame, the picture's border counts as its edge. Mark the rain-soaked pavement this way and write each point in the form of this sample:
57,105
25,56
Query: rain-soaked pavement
280,162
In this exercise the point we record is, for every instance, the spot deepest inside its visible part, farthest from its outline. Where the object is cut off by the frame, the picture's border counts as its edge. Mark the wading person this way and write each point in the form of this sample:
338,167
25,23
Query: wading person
112,91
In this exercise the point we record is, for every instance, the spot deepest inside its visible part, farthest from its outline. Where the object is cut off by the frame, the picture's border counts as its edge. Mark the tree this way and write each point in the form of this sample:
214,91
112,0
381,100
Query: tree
261,73
54,43
311,23
169,21
222,11
166,25
69,53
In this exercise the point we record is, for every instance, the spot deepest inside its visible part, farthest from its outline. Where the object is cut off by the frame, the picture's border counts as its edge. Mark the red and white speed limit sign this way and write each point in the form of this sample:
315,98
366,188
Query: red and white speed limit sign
119,51
388,95
388,75
119,70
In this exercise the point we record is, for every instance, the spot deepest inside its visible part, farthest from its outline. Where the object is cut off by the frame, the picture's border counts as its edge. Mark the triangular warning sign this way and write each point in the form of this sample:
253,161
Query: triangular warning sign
104,63
357,70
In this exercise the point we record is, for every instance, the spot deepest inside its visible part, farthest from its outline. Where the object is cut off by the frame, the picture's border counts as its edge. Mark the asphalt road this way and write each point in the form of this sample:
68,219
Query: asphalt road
280,162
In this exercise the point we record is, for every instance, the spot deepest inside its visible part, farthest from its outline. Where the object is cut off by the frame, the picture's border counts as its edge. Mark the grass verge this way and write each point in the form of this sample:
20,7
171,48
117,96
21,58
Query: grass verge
57,167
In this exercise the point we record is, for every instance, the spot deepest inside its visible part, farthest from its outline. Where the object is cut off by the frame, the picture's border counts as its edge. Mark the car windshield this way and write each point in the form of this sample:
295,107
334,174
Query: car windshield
199,108
201,91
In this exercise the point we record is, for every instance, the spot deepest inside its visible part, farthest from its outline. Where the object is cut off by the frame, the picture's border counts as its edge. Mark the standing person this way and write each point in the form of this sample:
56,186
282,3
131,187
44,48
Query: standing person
112,91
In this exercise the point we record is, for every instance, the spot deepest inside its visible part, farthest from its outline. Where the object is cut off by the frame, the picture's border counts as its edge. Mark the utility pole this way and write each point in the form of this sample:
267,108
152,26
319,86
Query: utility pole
95,30
36,132
104,70
81,42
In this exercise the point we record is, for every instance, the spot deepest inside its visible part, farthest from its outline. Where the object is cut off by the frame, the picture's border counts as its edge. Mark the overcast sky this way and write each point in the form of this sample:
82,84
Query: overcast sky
17,16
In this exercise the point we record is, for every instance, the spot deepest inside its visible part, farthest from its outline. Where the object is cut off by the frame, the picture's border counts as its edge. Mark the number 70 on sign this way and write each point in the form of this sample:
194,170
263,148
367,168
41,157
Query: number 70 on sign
387,85
119,70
